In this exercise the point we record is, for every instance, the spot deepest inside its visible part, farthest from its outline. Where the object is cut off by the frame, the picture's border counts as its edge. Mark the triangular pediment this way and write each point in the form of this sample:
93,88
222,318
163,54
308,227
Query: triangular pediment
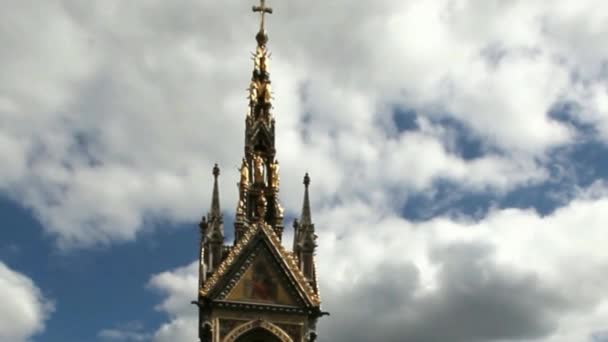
263,282
258,270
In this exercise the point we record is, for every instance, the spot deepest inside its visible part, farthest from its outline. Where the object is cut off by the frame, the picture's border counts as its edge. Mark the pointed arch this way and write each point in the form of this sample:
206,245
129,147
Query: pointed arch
242,329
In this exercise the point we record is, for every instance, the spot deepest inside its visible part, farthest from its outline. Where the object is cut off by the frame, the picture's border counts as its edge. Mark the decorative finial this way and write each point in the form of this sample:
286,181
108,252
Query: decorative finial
261,37
263,10
203,224
216,171
306,180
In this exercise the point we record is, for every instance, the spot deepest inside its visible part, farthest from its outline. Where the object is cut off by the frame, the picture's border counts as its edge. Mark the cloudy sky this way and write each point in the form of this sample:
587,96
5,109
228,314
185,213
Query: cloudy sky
458,152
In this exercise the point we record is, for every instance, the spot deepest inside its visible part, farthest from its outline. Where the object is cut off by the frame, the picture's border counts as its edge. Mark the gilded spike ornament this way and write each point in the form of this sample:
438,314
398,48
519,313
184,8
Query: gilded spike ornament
255,288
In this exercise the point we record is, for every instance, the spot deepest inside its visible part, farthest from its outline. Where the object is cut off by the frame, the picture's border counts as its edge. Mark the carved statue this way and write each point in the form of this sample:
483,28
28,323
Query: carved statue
267,93
258,168
244,173
253,91
256,60
261,208
279,209
274,174
264,61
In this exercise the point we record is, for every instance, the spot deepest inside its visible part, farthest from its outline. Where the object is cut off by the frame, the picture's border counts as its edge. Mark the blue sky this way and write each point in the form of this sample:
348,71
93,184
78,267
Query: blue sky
97,288
458,155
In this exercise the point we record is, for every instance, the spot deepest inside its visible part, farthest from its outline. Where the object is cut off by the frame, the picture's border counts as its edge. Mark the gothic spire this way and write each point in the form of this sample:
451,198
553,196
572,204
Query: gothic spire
305,227
305,239
215,199
304,230
258,228
259,185
213,229
259,91
215,232
305,218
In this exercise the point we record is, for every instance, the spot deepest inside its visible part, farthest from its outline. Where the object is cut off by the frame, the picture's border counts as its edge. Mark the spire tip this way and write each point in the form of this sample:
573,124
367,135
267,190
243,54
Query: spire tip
261,37
306,180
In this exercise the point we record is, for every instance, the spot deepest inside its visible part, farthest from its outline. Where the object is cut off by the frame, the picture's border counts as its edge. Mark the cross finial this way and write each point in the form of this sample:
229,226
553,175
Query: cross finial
263,10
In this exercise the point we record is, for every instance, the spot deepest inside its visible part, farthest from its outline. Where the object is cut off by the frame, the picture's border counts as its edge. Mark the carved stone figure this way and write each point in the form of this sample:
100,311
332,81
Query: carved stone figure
264,62
261,207
267,93
244,173
274,174
253,91
279,209
257,63
258,163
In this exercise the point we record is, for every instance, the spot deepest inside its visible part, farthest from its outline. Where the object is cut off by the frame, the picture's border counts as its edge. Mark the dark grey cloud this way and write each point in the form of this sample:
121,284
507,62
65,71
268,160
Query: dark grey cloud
476,300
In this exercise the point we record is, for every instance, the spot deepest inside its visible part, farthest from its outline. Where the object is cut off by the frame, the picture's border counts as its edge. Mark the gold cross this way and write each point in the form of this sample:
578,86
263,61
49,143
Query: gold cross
263,10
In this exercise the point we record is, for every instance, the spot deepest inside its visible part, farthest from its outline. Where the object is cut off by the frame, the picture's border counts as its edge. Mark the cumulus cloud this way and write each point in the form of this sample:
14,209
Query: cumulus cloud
129,332
499,278
179,287
113,113
24,309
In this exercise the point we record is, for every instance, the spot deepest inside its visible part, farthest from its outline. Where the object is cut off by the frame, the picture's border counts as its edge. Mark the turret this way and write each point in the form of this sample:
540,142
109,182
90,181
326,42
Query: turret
305,237
212,231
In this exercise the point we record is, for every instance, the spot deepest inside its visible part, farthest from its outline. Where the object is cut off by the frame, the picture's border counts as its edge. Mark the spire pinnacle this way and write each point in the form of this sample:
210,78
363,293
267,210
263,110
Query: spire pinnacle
215,199
306,218
216,170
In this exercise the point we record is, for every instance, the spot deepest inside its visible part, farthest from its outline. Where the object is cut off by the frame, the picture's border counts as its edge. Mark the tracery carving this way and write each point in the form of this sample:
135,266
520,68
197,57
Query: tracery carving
244,328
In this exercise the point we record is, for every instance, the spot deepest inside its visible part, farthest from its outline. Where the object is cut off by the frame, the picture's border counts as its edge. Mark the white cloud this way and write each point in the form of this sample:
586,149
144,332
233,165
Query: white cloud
555,263
130,332
24,309
122,335
179,286
130,111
